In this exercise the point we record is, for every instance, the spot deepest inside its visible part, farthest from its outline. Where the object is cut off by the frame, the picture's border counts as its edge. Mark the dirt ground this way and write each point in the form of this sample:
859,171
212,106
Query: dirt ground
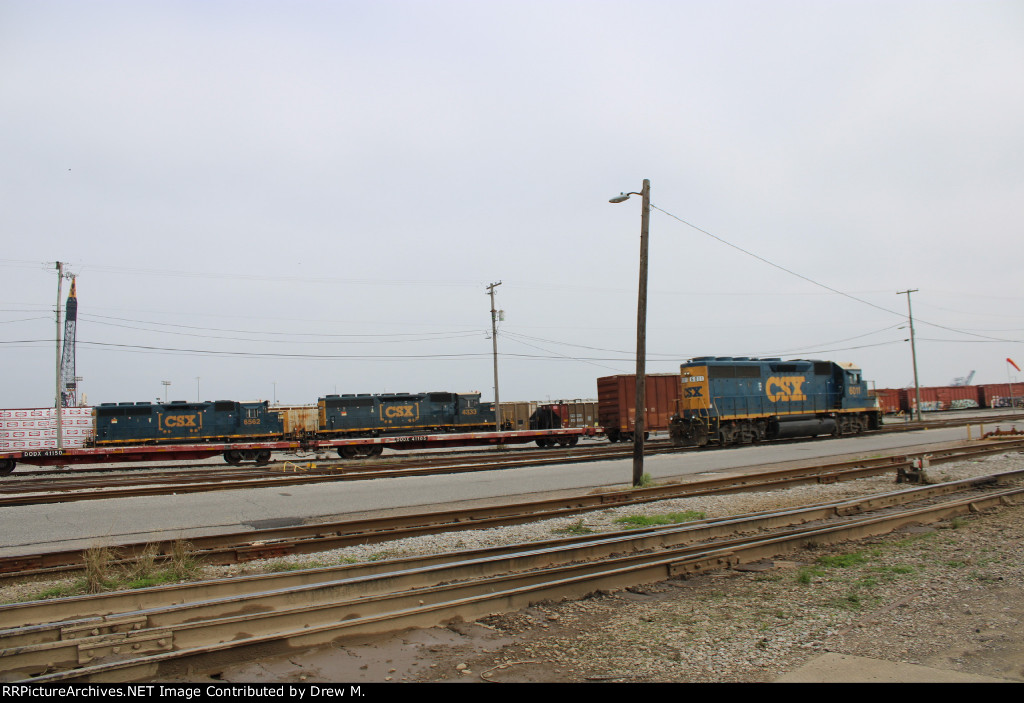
950,597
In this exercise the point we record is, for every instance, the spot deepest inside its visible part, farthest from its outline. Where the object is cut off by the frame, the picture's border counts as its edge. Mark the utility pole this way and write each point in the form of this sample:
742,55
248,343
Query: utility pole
641,341
640,413
913,350
494,345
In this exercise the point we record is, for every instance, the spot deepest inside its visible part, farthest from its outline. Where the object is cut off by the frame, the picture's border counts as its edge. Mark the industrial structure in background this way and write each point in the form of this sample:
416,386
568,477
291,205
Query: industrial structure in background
68,379
963,380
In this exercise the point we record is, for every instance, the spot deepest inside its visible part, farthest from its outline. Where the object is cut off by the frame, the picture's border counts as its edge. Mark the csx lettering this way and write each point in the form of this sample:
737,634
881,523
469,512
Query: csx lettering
784,388
180,421
693,392
399,411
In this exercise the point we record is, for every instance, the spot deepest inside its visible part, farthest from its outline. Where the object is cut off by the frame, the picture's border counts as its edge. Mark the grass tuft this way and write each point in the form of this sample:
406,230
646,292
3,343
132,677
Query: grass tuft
576,528
634,521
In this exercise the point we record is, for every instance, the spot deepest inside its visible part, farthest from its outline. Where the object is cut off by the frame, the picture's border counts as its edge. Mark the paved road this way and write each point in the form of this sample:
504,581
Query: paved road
31,529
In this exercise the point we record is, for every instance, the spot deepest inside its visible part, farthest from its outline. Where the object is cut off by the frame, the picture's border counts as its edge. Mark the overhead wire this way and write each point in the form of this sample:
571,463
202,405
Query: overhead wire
817,283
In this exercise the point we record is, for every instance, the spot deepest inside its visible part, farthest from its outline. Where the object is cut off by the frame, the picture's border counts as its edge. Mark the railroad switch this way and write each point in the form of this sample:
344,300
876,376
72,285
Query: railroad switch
917,473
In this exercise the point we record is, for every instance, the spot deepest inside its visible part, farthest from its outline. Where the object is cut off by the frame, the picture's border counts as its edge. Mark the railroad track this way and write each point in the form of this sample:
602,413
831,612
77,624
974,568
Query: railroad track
83,484
35,491
230,548
153,632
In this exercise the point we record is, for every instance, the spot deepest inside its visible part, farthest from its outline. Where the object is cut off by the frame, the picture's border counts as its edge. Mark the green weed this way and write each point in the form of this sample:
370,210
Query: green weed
633,521
576,528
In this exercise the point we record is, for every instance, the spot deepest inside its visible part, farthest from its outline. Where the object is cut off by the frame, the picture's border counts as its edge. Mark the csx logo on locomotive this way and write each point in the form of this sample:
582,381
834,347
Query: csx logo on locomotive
785,388
396,411
181,421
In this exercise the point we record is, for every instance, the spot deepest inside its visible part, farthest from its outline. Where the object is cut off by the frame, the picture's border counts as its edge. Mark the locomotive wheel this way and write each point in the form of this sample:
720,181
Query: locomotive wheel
7,467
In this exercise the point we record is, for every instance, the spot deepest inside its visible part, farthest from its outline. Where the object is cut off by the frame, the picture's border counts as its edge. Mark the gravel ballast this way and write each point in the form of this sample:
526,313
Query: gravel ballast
947,596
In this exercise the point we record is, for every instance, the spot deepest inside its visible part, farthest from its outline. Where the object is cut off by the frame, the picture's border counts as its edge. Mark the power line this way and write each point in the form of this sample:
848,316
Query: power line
812,281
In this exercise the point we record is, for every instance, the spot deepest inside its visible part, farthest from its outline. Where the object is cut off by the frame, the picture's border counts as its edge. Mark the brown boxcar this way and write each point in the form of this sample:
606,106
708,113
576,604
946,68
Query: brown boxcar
957,397
888,400
934,398
999,395
616,403
929,400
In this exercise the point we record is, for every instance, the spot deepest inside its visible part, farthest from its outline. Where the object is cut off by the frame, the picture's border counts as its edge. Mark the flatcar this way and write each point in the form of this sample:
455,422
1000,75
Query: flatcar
740,400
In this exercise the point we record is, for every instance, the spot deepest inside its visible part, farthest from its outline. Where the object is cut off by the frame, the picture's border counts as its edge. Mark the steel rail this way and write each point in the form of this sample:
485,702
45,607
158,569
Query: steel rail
44,491
468,588
38,490
304,539
106,604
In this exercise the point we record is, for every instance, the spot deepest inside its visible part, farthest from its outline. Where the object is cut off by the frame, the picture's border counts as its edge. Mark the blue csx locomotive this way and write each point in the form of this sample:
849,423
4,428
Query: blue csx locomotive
338,417
738,400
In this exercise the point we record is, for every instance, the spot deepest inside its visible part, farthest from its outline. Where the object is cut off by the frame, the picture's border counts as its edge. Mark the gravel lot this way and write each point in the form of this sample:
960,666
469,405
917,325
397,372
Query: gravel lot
947,596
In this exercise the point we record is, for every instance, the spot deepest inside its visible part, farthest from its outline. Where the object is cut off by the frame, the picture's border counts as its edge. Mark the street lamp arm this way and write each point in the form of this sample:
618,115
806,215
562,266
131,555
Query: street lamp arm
622,197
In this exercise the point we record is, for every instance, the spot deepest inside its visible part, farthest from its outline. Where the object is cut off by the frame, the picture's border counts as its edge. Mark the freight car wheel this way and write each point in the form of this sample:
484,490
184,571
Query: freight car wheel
232,457
262,458
7,467
359,452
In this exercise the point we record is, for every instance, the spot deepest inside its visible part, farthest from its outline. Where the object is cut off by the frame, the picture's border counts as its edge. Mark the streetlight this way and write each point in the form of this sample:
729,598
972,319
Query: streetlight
641,333
197,389
166,385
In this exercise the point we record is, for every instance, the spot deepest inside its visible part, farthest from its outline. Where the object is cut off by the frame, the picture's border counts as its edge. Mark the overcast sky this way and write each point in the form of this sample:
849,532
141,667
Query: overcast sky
286,199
